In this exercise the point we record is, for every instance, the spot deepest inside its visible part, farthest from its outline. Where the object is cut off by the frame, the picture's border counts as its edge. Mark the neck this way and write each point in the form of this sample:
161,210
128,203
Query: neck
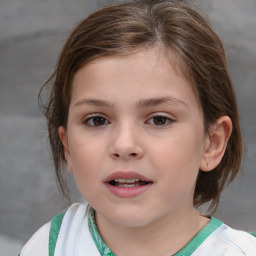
162,237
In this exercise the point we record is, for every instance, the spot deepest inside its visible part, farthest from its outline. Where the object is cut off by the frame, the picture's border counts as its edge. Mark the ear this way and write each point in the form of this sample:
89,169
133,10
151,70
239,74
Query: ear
64,139
216,143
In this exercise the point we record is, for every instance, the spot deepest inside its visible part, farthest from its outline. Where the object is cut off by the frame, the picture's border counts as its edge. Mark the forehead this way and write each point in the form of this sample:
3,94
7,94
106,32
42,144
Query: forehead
141,70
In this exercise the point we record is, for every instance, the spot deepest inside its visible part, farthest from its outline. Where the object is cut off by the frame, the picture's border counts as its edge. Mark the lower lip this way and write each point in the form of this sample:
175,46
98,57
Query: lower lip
128,192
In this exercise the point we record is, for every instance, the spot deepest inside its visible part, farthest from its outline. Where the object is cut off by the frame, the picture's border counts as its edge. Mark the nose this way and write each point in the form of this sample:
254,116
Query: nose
125,144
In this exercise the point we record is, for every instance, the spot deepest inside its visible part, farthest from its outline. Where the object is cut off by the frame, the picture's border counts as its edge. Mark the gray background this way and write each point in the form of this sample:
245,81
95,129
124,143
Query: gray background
31,35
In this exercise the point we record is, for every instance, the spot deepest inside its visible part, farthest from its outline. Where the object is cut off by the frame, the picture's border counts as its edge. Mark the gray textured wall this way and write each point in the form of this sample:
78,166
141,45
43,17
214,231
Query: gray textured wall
31,35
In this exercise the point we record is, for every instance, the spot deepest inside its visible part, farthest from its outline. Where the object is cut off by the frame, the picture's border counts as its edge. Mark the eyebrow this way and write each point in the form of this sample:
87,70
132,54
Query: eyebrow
94,102
160,101
143,103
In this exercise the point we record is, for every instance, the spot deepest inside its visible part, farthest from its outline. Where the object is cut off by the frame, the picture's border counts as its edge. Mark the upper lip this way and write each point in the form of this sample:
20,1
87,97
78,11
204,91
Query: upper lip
126,175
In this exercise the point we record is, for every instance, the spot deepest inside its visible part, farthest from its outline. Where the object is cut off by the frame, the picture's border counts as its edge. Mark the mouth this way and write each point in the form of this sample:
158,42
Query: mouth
128,183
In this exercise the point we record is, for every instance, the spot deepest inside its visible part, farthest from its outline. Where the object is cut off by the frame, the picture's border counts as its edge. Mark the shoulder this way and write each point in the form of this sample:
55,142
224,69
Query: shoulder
45,239
240,240
74,235
38,243
229,242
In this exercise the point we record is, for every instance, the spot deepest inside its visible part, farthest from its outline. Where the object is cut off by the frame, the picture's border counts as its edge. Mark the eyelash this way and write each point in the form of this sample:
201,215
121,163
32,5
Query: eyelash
92,118
167,120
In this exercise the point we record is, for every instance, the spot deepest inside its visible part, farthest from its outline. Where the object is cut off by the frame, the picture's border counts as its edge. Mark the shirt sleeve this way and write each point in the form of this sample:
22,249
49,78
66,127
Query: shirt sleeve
38,243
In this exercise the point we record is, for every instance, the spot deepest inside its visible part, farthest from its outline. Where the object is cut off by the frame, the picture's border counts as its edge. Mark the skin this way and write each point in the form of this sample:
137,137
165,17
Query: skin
116,93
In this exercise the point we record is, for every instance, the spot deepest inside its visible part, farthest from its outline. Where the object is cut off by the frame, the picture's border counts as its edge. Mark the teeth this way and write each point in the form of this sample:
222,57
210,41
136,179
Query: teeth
120,180
126,180
128,185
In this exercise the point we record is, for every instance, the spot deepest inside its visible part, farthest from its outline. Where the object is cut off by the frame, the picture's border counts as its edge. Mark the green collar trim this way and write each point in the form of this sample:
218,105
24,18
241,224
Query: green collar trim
198,239
102,247
54,232
253,233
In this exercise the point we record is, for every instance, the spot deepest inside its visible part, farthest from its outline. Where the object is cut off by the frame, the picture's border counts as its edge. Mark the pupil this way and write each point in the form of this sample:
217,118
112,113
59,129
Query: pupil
97,121
160,120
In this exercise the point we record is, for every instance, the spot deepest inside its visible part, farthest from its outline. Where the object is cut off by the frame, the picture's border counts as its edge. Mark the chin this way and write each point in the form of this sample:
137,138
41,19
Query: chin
130,218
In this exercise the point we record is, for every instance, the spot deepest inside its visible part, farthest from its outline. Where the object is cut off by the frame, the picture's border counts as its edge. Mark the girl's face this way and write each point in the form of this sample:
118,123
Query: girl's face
135,138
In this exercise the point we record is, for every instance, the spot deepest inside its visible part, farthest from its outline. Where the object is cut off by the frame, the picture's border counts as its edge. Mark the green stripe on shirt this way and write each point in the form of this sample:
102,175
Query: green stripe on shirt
54,232
104,250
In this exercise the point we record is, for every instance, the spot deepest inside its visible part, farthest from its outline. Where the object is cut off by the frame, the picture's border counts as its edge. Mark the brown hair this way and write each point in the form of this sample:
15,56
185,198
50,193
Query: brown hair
175,27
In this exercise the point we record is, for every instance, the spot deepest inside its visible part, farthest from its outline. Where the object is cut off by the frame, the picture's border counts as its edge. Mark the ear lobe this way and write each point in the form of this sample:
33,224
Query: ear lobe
216,143
63,137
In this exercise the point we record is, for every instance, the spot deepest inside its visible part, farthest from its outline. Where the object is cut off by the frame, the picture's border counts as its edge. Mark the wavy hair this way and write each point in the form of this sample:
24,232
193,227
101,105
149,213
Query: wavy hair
178,29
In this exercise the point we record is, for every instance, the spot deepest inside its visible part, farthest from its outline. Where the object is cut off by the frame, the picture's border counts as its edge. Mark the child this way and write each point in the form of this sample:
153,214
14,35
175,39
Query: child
143,111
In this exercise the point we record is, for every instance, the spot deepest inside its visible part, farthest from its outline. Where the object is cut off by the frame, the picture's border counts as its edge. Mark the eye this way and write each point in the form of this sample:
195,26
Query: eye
160,120
95,121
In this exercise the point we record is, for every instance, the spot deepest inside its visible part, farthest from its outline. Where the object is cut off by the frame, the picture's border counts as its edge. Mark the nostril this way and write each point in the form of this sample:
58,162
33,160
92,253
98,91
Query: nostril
133,154
116,155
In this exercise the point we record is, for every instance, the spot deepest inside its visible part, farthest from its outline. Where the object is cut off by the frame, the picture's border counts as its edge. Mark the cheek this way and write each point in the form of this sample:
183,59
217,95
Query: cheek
84,148
177,166
179,156
85,159
85,163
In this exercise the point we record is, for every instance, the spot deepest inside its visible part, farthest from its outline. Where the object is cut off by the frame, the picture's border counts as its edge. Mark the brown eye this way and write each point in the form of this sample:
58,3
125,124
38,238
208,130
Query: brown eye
96,121
160,120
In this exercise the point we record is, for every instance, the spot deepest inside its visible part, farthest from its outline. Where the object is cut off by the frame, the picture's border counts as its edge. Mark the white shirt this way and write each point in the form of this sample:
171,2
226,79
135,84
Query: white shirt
76,239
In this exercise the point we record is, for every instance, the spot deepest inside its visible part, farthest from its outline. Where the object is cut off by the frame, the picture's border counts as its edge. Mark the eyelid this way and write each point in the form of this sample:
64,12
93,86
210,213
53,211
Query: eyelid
92,115
95,114
161,114
86,117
